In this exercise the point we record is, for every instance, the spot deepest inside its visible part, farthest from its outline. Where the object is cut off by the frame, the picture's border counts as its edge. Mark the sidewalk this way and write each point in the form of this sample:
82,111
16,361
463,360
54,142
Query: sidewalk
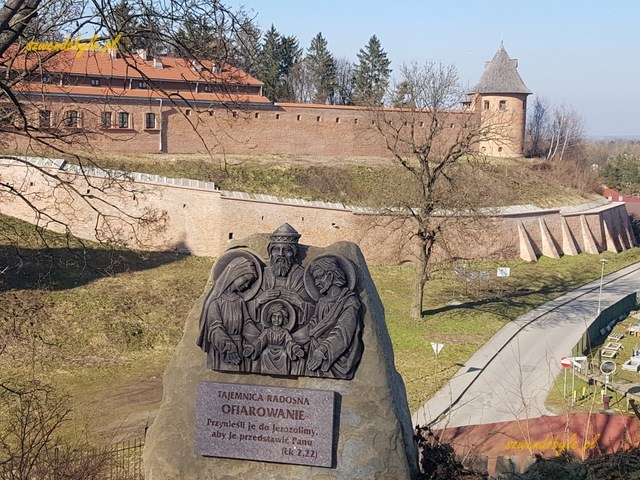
482,368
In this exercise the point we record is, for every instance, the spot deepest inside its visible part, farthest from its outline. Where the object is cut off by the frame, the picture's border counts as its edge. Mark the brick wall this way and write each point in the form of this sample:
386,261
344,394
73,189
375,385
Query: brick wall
285,129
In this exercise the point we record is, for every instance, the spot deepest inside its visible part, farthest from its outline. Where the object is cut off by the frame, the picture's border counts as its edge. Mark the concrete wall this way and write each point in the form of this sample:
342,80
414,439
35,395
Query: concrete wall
196,217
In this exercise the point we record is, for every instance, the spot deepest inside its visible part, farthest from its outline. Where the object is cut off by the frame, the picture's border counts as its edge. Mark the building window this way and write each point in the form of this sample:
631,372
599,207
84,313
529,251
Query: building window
355,120
499,149
486,104
187,112
337,119
298,117
71,118
123,120
207,88
318,118
257,115
105,120
234,114
277,116
95,82
44,118
150,120
143,85
46,78
502,105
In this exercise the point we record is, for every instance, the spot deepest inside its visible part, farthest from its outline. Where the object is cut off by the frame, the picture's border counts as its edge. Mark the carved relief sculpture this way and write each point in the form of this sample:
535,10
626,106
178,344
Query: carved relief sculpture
334,329
283,319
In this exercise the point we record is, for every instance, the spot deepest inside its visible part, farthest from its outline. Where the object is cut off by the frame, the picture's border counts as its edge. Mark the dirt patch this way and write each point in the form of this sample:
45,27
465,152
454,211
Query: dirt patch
132,406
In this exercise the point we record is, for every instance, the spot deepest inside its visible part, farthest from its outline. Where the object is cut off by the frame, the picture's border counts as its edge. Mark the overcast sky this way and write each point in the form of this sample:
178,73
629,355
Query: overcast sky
584,53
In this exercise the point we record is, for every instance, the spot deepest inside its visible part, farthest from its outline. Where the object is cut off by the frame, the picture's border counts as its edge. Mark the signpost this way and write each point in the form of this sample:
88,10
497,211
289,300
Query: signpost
566,363
503,272
607,368
575,361
437,348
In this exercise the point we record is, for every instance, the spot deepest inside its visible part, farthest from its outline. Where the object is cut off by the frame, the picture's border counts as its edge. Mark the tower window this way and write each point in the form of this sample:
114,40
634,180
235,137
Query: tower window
503,105
486,105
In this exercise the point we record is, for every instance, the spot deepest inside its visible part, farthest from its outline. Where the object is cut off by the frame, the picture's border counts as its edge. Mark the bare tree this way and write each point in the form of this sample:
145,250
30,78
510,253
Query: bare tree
538,127
566,132
140,24
432,139
345,82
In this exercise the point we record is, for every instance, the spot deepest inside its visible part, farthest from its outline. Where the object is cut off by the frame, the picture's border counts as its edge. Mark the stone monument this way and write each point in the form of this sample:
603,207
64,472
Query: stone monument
285,371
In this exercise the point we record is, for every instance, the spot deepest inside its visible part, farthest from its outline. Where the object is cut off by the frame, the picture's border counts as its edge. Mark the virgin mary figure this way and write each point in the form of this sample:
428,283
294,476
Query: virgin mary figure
225,323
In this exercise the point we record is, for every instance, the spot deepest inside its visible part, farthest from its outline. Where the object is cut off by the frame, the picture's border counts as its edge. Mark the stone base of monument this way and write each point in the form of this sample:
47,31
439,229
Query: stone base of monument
326,429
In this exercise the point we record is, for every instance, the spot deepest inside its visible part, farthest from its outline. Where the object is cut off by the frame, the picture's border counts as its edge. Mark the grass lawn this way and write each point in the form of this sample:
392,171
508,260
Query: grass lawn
101,324
352,181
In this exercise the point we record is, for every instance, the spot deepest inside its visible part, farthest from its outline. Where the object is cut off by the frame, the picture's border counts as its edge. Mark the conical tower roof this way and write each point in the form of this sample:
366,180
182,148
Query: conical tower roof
501,76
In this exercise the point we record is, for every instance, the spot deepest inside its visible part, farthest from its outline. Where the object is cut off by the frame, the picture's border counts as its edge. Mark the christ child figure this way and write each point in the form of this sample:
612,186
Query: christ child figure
275,346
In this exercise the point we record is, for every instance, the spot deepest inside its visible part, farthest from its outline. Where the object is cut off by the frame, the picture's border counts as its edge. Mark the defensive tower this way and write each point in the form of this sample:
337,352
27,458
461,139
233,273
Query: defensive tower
500,97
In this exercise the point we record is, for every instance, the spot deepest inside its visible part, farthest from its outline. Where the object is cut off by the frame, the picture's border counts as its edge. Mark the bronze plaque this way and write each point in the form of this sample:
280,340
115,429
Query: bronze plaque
251,422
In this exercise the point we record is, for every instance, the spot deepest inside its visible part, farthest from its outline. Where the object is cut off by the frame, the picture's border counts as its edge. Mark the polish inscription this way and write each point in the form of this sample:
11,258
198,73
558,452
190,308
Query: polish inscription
282,425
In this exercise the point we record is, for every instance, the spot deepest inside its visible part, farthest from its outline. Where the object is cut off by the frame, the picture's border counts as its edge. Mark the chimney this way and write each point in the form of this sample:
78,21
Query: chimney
157,63
142,53
214,68
196,65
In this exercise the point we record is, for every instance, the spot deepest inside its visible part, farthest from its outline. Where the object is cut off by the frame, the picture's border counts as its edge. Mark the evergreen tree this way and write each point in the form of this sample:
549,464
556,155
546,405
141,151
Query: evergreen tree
198,39
372,74
247,48
289,55
322,68
278,55
269,70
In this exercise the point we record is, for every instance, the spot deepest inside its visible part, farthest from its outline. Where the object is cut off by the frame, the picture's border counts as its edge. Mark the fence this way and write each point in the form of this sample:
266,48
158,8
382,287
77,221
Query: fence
603,324
125,460
115,462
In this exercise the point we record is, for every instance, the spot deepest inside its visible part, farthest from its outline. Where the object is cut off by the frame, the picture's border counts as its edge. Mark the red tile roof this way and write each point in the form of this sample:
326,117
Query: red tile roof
135,93
101,64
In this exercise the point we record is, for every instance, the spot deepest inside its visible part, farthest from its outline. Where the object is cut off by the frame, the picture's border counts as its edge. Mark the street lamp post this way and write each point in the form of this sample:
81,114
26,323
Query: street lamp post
603,263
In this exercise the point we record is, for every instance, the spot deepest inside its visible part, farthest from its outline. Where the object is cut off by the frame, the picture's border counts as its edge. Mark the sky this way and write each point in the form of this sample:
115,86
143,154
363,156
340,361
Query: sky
585,54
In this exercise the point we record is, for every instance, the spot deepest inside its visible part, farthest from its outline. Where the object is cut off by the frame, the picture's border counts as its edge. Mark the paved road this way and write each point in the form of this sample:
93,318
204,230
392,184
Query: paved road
510,376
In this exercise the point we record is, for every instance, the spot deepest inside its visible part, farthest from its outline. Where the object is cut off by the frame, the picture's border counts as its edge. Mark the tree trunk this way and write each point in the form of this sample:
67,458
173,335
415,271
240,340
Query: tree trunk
419,282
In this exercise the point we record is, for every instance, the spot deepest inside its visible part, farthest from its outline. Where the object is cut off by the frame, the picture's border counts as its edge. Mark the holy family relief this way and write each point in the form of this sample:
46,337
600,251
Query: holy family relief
283,319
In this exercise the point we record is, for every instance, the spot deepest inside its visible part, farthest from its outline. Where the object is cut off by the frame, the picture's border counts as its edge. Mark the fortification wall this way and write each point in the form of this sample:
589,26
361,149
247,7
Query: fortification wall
196,217
280,129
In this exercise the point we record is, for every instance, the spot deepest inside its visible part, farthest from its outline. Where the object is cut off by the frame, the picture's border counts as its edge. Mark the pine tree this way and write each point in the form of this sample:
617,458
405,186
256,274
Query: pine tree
289,55
247,47
322,68
269,70
372,74
277,57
